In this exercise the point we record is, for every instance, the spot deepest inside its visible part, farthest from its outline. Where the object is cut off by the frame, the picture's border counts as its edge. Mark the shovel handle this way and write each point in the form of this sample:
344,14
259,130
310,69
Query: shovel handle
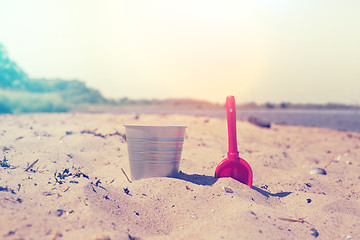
231,122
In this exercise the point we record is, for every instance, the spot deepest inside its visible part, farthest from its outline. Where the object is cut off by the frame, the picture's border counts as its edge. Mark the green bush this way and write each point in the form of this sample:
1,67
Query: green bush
19,93
26,102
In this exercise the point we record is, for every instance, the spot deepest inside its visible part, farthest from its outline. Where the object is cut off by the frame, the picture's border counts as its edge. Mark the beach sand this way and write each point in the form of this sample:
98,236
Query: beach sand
76,189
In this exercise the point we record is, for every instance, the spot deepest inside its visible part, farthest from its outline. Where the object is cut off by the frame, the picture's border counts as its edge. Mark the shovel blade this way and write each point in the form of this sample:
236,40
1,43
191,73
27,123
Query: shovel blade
239,170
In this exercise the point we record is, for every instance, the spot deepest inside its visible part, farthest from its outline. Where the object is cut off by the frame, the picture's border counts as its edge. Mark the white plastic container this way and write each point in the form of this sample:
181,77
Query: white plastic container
154,151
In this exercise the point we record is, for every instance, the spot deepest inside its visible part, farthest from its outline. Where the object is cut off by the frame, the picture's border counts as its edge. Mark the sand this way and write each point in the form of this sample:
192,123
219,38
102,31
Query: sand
76,189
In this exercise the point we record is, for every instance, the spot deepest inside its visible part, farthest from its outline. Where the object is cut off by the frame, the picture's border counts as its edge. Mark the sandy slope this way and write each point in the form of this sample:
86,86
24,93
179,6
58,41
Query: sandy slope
76,189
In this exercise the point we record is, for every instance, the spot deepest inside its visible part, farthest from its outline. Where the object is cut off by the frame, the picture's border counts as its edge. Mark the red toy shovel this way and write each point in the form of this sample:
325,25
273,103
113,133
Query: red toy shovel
233,166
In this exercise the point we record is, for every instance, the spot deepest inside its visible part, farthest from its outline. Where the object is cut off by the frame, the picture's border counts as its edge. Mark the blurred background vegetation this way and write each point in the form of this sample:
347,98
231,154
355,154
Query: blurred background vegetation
20,94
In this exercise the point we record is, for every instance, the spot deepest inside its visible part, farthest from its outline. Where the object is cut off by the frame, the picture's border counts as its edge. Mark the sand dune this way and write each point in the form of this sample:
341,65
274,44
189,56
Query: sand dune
76,189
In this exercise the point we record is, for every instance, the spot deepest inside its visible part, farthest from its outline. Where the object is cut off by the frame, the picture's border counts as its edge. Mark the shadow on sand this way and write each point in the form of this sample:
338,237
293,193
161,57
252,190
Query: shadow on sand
269,194
210,180
196,178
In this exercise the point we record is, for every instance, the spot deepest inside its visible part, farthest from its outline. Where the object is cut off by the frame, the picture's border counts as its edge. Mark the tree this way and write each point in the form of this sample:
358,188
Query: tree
24,94
11,75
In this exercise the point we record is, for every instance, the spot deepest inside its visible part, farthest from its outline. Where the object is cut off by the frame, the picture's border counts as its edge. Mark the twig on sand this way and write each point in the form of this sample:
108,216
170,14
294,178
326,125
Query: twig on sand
57,235
57,180
4,164
300,220
125,175
331,160
31,165
97,185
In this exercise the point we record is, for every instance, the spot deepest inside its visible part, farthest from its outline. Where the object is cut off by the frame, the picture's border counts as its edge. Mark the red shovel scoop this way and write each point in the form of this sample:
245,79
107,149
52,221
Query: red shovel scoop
233,166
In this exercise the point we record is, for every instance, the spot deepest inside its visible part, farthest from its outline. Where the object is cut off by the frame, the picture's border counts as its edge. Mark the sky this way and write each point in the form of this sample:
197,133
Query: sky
299,51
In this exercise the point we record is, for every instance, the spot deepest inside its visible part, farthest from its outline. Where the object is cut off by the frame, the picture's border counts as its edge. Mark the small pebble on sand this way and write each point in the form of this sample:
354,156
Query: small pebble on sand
318,171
